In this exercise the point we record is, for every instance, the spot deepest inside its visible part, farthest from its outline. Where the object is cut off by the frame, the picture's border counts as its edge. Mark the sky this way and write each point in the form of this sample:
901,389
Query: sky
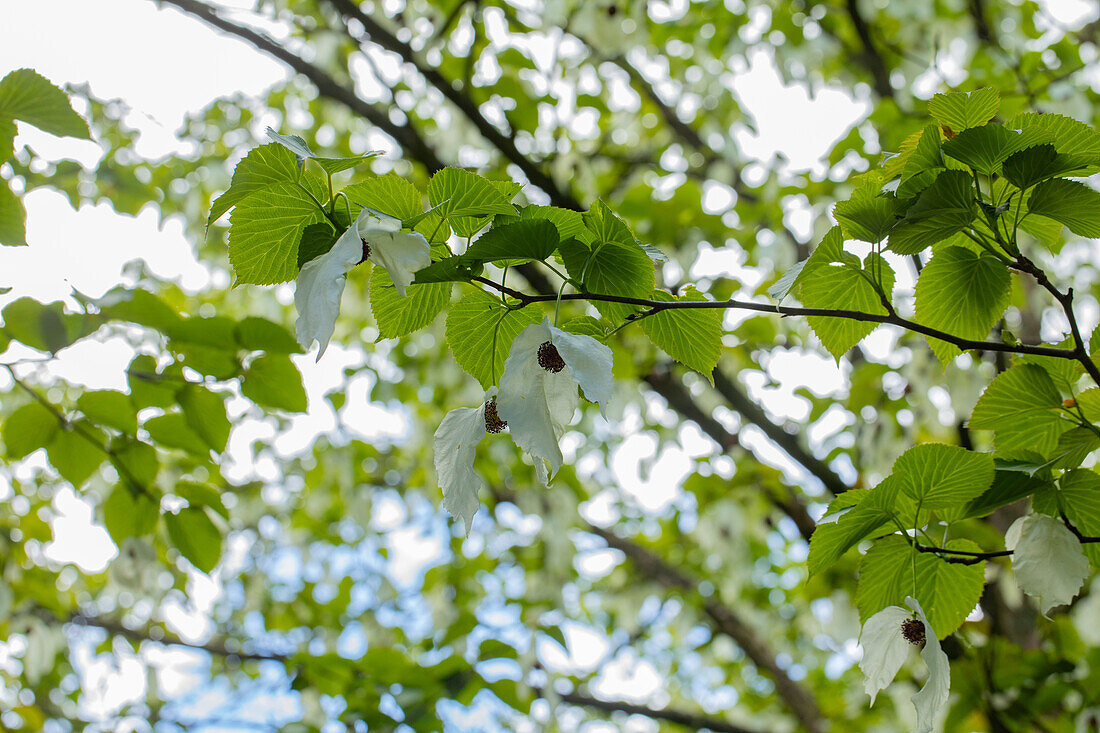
129,49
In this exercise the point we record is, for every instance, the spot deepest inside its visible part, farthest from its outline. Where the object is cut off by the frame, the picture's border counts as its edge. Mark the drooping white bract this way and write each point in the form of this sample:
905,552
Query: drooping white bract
401,253
456,438
321,281
885,649
1047,558
538,390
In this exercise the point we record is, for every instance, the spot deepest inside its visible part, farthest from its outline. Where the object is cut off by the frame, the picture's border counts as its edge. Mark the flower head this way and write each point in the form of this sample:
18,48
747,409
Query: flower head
455,442
321,282
538,390
886,639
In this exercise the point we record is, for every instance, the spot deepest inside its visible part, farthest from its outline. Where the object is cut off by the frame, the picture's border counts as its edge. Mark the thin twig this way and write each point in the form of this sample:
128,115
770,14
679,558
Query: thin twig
890,318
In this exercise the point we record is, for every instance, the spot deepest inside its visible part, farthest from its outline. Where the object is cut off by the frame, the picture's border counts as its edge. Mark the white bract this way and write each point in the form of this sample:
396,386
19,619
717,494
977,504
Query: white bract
1047,558
321,281
456,438
538,390
885,649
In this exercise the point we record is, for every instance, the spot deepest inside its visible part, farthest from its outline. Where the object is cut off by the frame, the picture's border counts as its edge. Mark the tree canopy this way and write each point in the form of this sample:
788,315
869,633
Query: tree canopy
524,392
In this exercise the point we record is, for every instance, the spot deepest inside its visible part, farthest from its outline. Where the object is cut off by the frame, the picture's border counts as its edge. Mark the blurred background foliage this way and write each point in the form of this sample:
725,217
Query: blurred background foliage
279,569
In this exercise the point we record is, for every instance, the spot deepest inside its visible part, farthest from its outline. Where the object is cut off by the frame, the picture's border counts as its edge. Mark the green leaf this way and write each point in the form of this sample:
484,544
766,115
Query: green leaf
1007,487
173,431
868,219
264,168
926,156
195,535
1028,167
138,460
140,307
947,592
266,227
603,226
692,337
962,293
614,264
398,316
1066,373
148,387
205,414
28,96
830,250
845,287
13,218
782,287
937,476
1070,202
448,270
1071,137
944,208
7,138
985,148
610,268
301,149
45,326
259,334
316,240
389,194
1089,402
480,332
209,360
521,241
910,188
127,513
962,110
76,453
219,332
1023,407
201,495
1074,446
294,143
113,409
273,381
569,223
586,326
1078,494
460,193
27,429
871,515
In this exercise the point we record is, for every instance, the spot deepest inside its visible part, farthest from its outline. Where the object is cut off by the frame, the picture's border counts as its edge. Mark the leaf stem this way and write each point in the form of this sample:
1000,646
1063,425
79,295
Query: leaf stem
320,206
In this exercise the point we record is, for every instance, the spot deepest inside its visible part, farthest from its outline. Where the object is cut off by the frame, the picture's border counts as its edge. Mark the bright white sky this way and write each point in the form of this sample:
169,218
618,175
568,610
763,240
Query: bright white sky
131,50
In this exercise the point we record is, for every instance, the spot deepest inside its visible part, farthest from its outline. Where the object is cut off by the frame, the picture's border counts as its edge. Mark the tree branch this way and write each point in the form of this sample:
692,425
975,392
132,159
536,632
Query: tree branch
217,647
788,442
870,57
406,135
981,23
656,306
722,618
1065,300
502,141
221,648
679,717
725,620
